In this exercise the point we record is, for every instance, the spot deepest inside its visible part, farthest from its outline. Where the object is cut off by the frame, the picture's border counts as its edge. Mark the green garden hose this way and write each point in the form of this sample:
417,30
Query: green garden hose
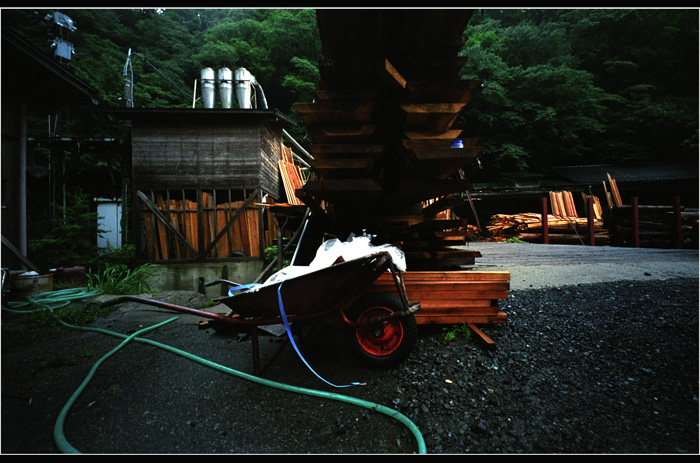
52,300
58,434
48,300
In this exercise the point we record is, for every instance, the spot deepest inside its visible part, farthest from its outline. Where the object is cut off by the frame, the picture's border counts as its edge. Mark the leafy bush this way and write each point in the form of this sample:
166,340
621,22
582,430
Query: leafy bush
120,279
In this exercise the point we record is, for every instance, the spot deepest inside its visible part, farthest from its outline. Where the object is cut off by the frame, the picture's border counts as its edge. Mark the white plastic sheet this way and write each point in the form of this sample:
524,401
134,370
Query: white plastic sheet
330,251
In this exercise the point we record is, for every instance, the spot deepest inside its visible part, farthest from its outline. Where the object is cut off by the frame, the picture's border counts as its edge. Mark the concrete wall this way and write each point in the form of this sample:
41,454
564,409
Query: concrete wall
191,276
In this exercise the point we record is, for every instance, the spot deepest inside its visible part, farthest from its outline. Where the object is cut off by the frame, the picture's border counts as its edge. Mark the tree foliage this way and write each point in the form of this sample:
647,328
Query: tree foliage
559,86
583,86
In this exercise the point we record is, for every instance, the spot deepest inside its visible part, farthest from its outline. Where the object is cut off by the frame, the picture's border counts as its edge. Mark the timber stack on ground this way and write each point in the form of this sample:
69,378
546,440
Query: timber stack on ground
381,128
564,224
615,223
454,297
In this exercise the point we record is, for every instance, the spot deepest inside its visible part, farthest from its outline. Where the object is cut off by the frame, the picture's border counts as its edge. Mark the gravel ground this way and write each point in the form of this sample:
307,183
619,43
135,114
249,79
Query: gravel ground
581,369
585,369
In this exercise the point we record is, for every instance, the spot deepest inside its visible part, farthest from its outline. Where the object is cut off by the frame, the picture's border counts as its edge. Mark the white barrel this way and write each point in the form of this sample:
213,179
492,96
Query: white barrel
243,80
208,87
224,79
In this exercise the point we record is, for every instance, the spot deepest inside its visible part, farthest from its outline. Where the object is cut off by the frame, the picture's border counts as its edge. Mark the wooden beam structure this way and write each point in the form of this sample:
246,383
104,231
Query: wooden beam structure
382,125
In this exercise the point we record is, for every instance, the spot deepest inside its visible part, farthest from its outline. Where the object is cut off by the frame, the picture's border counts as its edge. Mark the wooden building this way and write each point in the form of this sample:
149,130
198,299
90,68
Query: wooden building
33,84
199,179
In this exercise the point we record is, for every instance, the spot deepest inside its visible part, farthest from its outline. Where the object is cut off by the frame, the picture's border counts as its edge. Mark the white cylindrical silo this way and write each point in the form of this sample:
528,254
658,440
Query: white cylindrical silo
208,87
224,79
243,80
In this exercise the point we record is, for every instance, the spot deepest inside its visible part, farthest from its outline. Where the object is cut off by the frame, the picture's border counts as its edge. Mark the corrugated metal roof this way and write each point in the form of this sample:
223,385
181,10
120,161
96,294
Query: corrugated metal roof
648,172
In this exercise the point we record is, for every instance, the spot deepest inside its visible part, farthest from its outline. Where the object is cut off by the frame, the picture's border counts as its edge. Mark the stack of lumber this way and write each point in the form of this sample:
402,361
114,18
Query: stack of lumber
180,238
454,297
564,226
562,204
612,193
291,176
381,127
528,227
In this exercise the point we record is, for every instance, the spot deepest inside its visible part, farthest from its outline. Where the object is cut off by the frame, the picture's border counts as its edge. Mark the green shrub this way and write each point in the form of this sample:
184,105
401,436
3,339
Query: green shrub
120,279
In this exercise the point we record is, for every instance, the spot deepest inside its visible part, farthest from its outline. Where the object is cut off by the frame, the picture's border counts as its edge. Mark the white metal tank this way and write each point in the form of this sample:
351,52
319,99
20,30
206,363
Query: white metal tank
243,79
208,87
224,79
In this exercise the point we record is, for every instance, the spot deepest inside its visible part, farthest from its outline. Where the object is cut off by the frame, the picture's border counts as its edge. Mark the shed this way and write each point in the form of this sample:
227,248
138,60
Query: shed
199,179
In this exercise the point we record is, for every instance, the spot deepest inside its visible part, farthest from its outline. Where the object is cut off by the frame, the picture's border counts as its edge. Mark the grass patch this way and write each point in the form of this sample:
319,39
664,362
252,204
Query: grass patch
120,279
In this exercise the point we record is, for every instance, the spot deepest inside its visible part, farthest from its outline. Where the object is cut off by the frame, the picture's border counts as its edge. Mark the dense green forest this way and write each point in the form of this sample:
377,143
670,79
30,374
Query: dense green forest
570,86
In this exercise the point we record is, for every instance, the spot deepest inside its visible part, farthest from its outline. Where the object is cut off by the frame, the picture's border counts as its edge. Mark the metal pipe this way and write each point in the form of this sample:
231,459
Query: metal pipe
297,145
22,197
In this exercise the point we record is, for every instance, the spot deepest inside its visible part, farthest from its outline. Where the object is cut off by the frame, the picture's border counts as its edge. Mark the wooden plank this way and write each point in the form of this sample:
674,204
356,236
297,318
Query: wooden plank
174,212
460,291
489,342
453,296
460,91
335,112
341,168
433,134
19,255
346,150
235,216
617,199
480,318
389,72
335,133
441,163
430,116
148,221
192,230
449,306
291,181
466,275
209,219
223,247
234,226
344,189
253,232
156,212
162,236
436,143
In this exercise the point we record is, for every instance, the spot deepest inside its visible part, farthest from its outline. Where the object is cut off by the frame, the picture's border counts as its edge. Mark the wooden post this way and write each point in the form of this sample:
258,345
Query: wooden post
677,229
545,226
591,221
635,221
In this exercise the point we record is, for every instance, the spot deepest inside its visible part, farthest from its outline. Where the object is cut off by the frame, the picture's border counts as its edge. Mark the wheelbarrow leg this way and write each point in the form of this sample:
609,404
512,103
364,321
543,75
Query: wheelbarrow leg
256,351
257,370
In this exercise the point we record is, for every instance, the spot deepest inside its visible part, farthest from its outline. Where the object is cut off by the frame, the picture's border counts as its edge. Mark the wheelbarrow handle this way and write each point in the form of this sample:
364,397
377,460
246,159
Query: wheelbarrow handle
167,306
217,282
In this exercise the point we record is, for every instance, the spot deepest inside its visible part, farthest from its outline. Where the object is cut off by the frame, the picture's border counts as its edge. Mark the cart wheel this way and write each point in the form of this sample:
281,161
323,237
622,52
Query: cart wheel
384,343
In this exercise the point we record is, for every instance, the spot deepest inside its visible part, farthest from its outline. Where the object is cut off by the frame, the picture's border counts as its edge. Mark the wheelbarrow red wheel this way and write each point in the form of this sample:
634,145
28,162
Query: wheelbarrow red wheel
383,343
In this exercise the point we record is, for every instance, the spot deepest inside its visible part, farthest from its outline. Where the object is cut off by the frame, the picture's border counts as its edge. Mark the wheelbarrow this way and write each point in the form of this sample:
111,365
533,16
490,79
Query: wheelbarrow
379,328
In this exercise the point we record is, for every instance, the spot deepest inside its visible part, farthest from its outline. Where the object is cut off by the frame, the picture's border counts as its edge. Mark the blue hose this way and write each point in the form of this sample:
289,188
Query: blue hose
47,300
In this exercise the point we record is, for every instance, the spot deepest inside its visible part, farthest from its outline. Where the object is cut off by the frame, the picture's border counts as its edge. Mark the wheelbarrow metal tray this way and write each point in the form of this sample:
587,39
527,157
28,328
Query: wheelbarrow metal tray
313,293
